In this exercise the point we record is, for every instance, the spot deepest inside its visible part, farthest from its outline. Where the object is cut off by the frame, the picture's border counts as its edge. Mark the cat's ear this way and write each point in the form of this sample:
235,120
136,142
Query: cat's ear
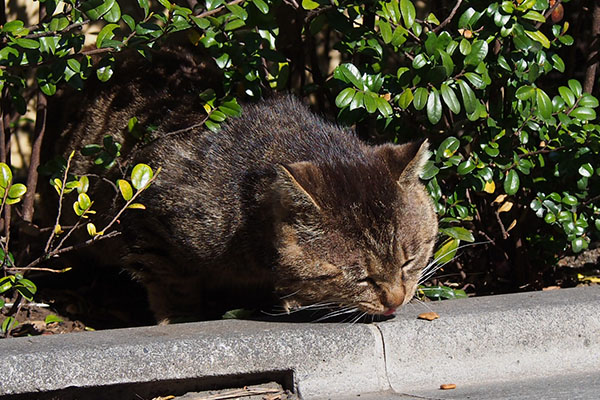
297,184
405,161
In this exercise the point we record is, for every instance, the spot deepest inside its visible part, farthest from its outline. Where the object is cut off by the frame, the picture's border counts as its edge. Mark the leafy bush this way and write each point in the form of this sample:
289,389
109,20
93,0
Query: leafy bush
513,138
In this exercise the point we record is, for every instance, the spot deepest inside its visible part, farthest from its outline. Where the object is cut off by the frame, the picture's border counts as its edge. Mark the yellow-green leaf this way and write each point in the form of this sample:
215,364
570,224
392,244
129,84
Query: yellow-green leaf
125,188
141,176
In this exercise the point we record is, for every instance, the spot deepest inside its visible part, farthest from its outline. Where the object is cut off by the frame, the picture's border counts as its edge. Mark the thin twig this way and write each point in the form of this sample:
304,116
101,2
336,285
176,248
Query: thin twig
548,13
218,9
56,271
130,201
447,20
504,233
71,248
60,202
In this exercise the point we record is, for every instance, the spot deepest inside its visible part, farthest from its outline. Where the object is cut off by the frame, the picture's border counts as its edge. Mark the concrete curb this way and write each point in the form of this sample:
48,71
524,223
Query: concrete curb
488,339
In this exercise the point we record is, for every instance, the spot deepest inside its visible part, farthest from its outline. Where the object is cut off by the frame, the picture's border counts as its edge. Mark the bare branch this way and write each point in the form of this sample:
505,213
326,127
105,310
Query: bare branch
593,51
447,20
218,9
548,13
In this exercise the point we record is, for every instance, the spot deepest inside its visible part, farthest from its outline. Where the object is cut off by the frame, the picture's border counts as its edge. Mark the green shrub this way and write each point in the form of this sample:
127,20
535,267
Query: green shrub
514,141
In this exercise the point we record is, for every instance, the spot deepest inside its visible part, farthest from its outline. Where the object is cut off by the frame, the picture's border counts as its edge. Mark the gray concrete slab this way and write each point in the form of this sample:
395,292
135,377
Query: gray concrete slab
325,358
508,338
483,345
568,387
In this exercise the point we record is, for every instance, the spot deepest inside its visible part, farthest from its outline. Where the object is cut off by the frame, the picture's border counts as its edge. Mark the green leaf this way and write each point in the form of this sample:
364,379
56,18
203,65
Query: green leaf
420,98
384,107
559,64
26,288
91,229
448,147
217,116
357,101
234,24
104,73
511,182
534,16
261,5
465,167
370,100
114,14
567,95
201,23
27,43
137,206
419,61
468,96
12,26
405,98
213,126
579,244
479,50
408,13
166,4
441,292
309,4
238,313
544,104
84,201
450,98
95,9
446,252
575,87
459,233
587,100
144,6
17,190
106,33
141,176
8,324
475,80
5,176
464,47
125,189
539,37
429,170
84,184
6,283
386,31
583,113
447,62
352,74
51,318
432,19
344,98
468,18
434,106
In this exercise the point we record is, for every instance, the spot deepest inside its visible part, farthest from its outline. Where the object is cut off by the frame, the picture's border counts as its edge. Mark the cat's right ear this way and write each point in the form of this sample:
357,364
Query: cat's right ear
297,185
405,161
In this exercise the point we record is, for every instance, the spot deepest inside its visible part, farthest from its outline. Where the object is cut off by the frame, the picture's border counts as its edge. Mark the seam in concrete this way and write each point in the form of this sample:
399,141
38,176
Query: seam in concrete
384,353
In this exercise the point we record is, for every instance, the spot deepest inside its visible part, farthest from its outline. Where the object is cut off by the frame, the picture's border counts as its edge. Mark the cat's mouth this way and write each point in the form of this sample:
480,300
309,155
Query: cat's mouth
382,310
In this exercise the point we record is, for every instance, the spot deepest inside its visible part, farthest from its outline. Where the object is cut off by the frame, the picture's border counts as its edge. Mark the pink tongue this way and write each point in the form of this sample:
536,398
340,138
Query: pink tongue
389,312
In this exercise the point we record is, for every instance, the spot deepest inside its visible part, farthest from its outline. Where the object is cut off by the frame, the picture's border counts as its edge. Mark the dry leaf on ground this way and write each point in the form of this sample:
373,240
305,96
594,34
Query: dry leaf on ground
429,316
448,386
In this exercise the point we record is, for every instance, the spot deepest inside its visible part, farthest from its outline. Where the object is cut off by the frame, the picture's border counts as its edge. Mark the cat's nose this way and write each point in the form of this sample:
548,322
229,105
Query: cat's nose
392,297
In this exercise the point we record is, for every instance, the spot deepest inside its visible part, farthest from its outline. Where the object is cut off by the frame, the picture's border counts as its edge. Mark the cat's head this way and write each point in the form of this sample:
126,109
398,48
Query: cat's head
354,234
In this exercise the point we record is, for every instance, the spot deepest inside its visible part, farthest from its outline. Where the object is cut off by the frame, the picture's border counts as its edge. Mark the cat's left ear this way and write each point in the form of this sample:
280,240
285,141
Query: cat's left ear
405,161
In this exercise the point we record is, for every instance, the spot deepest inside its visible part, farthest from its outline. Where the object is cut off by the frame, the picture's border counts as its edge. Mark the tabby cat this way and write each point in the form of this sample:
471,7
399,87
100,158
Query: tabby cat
280,205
